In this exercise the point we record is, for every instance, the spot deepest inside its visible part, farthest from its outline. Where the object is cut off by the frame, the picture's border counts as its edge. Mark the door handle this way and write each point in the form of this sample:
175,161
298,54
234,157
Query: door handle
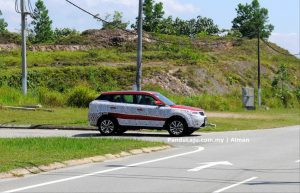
140,109
113,107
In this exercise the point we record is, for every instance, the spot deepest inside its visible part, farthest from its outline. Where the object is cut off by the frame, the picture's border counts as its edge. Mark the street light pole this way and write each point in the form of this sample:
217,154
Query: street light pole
258,69
24,64
139,50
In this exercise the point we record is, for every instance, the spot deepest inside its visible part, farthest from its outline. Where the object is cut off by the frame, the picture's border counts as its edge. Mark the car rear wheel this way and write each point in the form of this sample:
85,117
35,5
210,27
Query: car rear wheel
176,127
107,126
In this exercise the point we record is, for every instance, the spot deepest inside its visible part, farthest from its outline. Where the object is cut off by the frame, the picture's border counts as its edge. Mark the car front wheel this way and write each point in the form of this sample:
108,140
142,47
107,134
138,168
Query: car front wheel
107,126
177,127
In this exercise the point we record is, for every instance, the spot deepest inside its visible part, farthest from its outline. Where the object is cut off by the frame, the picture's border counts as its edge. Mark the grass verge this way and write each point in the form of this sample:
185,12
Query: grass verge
28,152
250,120
225,121
60,116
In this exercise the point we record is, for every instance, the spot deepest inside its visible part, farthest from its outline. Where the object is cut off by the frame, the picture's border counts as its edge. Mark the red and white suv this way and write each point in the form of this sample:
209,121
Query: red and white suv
116,112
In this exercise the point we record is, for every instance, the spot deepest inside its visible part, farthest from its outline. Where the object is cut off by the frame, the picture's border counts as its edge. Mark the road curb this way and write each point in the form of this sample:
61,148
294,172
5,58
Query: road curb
20,172
49,127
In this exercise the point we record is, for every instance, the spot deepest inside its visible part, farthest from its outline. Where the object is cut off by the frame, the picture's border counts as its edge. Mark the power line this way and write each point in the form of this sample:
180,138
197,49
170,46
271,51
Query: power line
166,41
133,33
99,18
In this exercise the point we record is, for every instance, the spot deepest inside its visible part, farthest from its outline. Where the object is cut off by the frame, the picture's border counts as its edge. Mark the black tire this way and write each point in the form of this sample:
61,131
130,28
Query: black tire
177,127
107,126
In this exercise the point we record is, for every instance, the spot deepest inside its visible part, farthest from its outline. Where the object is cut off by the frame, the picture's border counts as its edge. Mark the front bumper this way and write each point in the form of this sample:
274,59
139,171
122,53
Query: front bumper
198,121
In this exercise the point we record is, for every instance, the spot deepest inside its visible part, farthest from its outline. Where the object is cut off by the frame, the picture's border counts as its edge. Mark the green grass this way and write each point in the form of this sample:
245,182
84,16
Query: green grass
243,120
27,152
215,74
251,120
60,116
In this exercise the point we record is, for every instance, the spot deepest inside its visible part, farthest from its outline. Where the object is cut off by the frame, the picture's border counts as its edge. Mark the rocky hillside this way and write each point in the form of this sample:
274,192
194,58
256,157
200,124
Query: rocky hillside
213,65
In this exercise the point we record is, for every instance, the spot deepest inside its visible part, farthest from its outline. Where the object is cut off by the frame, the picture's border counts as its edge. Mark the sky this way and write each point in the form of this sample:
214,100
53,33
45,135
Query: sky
284,15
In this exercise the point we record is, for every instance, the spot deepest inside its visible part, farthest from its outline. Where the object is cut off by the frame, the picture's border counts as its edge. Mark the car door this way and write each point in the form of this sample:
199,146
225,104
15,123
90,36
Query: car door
150,115
123,109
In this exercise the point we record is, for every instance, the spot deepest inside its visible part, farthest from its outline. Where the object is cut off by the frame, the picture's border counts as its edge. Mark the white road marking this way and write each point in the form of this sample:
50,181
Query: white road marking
297,161
104,171
234,185
209,164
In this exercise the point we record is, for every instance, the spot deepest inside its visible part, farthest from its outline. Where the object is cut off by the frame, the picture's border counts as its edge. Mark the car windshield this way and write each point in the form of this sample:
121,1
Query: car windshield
164,99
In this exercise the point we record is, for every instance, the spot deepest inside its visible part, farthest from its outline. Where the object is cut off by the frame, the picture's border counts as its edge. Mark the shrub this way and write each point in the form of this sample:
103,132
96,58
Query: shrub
80,97
50,98
9,37
14,96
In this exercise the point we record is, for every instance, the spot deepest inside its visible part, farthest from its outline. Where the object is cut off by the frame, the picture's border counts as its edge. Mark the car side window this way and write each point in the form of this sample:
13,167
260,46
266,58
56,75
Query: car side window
104,97
145,100
128,98
117,98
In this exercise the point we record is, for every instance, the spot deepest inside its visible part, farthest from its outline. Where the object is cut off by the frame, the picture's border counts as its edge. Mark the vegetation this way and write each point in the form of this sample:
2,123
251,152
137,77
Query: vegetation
215,74
3,24
7,37
66,36
250,120
59,116
42,24
251,19
154,21
115,23
225,121
153,15
280,85
213,67
29,152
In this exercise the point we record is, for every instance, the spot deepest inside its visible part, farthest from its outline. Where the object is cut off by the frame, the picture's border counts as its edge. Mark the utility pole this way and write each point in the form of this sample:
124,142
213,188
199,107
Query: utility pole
24,64
139,49
258,69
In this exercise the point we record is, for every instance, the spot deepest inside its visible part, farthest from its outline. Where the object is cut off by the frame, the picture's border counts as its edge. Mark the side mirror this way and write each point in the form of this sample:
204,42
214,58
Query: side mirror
159,103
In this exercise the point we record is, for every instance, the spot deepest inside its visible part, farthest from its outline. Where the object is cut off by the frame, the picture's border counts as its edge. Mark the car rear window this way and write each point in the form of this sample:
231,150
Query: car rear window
104,97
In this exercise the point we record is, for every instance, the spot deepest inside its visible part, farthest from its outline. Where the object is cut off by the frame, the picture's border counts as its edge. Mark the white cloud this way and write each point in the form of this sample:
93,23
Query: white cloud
289,41
7,6
175,7
63,14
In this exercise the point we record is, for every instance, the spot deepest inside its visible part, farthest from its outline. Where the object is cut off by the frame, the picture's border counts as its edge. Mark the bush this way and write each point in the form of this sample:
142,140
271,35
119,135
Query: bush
80,97
50,98
14,96
9,37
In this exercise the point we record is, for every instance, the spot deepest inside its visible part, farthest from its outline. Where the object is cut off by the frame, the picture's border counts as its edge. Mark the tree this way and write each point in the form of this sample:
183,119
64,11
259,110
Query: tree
116,22
158,14
251,19
148,15
3,24
153,16
167,26
154,21
64,32
42,23
280,85
190,27
206,25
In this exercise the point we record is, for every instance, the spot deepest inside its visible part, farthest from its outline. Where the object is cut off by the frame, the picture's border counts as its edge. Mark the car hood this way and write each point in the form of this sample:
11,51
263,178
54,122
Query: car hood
186,108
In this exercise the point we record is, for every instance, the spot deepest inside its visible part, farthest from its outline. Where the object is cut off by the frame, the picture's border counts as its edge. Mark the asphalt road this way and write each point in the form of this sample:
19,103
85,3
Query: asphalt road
241,161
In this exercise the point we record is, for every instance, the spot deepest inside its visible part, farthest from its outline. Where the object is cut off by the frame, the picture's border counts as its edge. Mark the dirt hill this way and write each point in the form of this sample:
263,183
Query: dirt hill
213,65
